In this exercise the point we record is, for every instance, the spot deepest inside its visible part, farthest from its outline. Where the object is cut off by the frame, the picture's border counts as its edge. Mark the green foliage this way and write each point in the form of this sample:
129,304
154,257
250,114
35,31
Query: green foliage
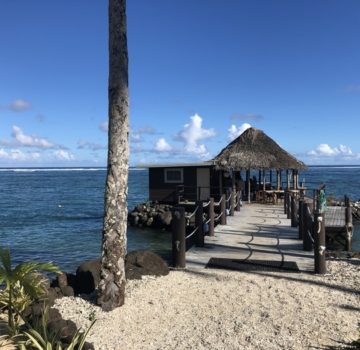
23,284
38,337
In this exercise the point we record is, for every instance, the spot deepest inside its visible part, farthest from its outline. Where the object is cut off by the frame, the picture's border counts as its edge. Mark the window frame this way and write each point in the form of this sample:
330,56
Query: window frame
167,181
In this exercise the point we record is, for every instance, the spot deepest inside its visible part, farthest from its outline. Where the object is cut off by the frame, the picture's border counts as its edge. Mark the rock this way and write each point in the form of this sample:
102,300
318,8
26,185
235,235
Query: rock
88,276
52,295
67,291
62,280
142,262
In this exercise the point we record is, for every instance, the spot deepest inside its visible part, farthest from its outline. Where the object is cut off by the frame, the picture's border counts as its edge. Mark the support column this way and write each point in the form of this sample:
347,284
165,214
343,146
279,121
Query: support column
287,180
319,247
278,180
248,184
264,180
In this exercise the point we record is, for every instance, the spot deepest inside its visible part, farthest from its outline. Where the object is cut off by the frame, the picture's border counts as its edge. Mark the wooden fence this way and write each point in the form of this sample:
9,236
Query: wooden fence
183,232
304,213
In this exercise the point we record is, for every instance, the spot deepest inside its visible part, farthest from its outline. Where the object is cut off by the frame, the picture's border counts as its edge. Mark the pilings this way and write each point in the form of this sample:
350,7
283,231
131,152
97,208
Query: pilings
348,224
319,242
178,227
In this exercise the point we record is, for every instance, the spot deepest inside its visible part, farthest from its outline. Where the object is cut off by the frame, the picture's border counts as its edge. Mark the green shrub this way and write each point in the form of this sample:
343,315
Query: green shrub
23,284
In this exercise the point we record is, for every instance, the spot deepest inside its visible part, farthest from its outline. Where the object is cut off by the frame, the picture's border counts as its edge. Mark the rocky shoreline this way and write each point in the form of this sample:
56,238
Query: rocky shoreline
156,216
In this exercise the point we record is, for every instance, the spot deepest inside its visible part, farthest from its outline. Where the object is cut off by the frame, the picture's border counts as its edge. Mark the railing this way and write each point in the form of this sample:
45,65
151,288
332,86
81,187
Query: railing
305,213
183,232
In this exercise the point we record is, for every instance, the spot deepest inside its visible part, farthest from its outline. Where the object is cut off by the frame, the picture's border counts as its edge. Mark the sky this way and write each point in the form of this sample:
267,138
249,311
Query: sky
200,73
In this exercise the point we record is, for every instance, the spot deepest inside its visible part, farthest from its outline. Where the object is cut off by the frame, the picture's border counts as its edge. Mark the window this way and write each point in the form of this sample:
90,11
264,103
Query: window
174,175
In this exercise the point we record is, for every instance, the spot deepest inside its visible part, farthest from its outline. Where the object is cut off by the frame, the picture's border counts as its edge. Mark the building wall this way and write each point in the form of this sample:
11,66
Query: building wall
165,192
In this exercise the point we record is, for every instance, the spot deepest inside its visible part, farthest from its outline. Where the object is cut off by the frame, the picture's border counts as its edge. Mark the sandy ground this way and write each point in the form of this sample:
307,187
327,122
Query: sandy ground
218,309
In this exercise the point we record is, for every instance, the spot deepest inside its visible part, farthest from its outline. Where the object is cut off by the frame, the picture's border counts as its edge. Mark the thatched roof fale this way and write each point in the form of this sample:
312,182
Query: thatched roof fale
253,149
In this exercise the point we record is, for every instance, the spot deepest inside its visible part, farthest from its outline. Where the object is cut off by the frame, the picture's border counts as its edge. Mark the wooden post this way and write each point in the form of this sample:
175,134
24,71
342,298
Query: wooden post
199,223
223,210
293,212
178,237
288,205
348,224
238,199
232,202
308,227
233,195
287,180
211,215
248,183
301,217
319,243
264,188
259,186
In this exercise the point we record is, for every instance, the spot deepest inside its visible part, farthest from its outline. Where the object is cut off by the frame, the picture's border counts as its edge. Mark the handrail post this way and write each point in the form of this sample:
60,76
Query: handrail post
301,217
308,226
288,206
320,245
178,237
223,210
285,202
348,224
232,202
293,212
199,223
211,215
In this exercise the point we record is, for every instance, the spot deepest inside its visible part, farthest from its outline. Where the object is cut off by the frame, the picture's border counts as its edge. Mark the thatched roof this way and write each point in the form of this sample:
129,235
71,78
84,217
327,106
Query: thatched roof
253,149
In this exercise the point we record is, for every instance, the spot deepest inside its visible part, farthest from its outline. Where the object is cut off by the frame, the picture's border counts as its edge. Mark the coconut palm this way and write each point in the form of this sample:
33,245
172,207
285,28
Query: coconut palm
23,284
112,283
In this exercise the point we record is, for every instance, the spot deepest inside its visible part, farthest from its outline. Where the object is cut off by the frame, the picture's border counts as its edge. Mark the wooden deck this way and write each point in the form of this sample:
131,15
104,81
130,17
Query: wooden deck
258,235
335,217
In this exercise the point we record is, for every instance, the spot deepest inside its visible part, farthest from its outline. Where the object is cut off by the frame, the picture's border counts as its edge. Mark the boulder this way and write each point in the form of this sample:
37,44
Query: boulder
88,276
143,262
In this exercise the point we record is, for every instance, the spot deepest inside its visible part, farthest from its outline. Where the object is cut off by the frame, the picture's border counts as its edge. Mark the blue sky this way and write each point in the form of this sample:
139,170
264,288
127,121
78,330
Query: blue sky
200,72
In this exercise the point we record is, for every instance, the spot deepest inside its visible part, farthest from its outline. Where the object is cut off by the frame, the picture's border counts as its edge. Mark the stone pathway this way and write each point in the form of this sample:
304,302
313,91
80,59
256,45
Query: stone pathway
260,234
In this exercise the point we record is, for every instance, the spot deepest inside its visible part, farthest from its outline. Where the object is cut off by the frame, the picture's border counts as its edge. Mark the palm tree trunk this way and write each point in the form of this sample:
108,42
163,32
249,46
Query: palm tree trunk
112,283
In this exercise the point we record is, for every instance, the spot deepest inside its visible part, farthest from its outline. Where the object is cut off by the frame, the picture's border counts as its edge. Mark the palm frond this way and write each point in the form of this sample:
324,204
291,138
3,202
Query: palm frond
5,259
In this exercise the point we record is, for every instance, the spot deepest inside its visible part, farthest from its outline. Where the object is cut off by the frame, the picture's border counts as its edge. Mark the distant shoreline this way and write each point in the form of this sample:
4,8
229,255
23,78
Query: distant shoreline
85,168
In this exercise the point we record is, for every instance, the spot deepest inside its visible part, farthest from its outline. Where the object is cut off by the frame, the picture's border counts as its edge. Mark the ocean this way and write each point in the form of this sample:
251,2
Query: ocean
56,214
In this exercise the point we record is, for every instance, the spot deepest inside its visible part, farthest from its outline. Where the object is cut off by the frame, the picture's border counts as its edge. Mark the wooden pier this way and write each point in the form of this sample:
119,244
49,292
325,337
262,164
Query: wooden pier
258,236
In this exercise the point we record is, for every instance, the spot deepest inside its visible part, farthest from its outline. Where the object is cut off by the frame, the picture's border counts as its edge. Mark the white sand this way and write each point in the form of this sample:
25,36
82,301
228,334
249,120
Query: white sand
217,309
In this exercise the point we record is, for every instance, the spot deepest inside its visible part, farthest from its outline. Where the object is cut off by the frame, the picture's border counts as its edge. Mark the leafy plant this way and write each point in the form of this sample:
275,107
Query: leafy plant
38,337
23,284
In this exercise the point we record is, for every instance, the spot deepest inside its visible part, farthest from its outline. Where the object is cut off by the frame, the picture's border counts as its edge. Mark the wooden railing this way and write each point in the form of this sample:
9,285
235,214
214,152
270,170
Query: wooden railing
183,232
304,213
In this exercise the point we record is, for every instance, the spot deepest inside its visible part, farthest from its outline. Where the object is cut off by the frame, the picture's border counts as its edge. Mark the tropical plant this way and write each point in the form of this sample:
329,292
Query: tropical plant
23,284
38,337
112,283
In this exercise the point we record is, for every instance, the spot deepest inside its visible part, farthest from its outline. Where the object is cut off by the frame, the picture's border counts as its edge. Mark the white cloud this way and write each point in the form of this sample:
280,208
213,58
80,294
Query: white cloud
18,155
325,150
192,133
104,126
90,145
18,105
162,146
30,141
63,155
235,131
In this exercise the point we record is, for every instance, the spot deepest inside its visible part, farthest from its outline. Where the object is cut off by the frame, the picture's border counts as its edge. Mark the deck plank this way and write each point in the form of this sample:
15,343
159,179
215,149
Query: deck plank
257,232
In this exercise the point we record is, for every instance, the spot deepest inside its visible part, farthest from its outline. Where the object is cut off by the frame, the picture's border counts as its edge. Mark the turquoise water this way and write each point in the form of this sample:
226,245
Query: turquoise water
56,214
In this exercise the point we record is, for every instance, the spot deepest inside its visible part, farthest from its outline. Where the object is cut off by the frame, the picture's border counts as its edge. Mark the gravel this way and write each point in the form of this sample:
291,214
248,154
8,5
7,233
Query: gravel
218,309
